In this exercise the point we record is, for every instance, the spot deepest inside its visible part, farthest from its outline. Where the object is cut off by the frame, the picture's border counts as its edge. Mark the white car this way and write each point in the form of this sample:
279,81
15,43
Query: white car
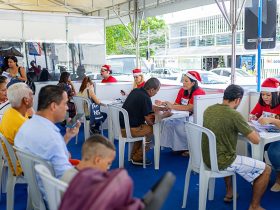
241,77
209,80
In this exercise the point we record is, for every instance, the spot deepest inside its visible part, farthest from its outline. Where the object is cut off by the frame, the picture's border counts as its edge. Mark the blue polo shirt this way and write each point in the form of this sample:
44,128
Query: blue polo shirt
41,137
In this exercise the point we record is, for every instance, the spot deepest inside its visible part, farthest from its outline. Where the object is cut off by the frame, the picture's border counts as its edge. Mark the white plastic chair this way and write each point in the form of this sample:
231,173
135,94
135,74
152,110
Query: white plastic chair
3,174
53,186
12,180
27,162
80,106
80,103
206,175
115,112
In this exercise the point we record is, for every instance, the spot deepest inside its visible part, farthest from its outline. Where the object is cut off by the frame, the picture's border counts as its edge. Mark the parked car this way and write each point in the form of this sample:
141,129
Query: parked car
209,80
242,77
165,73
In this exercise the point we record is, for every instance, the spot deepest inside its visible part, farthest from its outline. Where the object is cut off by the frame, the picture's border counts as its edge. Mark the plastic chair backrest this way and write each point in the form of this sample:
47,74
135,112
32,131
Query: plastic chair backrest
115,111
28,161
80,103
11,153
194,136
53,186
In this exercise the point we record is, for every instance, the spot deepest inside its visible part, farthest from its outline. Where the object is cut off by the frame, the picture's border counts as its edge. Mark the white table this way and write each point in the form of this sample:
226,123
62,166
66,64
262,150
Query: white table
258,149
157,132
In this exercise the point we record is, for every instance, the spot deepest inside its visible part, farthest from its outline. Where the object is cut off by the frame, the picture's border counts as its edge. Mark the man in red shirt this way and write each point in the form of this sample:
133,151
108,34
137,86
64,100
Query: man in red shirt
105,73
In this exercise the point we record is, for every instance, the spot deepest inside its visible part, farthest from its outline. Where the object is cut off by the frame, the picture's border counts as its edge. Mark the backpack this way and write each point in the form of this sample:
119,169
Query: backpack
95,112
92,189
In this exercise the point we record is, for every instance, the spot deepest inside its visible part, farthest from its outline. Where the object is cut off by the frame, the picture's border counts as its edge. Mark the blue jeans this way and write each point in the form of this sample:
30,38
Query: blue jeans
274,155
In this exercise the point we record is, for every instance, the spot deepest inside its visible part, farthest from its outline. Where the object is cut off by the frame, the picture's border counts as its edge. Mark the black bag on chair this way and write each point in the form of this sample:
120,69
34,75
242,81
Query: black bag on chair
95,113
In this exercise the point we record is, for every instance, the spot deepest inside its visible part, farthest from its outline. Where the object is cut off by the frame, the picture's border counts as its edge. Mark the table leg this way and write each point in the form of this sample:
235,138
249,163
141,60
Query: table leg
156,131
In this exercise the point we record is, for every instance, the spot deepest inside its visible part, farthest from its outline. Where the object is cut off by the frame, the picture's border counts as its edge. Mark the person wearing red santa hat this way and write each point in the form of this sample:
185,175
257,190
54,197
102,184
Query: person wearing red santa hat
268,104
185,97
268,111
106,74
138,78
183,102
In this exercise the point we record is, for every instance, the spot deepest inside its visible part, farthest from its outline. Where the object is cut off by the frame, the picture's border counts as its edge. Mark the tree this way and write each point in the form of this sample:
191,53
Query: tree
119,41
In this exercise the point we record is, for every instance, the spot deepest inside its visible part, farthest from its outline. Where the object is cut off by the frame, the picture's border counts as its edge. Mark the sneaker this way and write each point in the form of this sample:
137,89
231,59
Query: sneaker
140,162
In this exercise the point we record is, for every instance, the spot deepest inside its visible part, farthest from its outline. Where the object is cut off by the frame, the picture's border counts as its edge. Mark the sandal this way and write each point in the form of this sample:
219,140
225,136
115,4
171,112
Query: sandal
228,199
185,153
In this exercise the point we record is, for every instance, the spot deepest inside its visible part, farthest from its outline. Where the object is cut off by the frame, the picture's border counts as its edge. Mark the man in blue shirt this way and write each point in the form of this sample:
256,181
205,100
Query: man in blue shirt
41,137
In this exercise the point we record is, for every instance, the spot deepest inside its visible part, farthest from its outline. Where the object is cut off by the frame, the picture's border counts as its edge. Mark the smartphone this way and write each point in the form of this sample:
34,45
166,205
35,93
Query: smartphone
122,92
73,122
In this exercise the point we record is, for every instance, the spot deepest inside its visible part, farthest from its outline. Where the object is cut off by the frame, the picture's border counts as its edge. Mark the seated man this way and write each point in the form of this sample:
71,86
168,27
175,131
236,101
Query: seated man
40,136
138,104
226,123
97,152
20,97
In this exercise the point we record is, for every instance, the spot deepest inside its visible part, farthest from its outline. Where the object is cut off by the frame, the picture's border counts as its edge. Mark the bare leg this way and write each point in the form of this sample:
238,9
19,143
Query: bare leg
259,188
278,178
228,182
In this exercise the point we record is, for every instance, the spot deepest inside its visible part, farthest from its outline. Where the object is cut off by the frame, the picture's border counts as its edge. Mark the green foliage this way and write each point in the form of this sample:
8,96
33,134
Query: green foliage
119,40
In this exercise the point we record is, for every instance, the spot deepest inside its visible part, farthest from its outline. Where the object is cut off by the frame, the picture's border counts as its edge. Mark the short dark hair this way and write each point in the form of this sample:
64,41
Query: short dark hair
275,100
152,83
233,92
3,79
49,94
93,146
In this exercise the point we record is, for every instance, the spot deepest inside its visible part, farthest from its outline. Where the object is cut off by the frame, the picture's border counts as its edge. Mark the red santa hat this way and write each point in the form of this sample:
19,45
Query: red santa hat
194,75
136,72
270,85
107,67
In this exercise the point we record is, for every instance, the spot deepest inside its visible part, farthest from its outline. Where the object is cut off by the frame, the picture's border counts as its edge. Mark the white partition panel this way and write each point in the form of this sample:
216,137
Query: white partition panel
44,27
11,26
254,98
202,102
167,93
86,30
111,91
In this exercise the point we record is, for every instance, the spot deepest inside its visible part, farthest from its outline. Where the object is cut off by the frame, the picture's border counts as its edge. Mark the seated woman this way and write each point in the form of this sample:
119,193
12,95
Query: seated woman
184,102
86,90
15,71
266,110
185,97
66,83
269,103
138,80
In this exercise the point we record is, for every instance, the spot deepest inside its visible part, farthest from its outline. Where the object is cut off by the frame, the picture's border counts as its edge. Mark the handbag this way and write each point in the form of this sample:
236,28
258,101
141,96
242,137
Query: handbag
95,113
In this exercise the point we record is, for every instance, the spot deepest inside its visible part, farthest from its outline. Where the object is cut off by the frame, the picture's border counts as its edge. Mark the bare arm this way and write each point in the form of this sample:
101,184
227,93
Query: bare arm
253,137
150,119
93,96
179,107
22,76
268,120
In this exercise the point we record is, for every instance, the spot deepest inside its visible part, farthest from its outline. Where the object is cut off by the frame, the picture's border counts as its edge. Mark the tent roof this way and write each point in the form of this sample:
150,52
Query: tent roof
103,8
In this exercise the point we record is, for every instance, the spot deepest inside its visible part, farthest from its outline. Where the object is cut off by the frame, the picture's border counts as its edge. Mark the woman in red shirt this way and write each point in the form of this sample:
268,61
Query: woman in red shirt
185,97
269,103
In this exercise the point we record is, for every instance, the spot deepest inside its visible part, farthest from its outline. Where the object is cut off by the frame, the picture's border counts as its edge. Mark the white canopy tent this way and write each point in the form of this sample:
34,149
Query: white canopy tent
124,11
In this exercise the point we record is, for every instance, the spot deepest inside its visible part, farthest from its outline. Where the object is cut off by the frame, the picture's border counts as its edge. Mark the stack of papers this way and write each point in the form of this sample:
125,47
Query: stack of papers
264,128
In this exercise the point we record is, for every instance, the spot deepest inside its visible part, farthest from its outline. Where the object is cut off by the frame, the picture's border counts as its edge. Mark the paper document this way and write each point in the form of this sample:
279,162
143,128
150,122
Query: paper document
264,128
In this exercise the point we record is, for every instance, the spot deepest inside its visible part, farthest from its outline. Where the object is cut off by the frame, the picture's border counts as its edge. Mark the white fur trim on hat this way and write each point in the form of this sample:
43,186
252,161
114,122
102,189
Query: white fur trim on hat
191,76
137,74
270,89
